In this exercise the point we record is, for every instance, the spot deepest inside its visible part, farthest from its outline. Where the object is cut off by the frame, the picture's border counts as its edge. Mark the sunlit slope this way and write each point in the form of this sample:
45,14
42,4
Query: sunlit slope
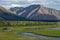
6,14
38,12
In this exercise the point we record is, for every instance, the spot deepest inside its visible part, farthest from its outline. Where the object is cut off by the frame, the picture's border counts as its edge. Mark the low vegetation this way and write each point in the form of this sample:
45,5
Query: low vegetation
20,26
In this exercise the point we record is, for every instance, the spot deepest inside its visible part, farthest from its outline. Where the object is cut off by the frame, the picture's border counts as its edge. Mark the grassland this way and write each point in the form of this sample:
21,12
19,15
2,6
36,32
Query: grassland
13,36
21,27
39,32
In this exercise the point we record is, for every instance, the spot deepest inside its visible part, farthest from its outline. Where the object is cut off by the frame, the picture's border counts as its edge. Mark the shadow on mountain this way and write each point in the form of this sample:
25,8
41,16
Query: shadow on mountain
10,16
17,9
43,17
29,9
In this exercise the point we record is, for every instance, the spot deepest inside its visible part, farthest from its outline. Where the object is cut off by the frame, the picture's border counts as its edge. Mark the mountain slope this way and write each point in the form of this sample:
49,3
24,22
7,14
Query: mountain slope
17,9
39,12
6,14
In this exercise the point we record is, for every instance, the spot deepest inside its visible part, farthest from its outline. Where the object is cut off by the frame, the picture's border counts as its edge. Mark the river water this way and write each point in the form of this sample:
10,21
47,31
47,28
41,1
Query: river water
43,28
39,36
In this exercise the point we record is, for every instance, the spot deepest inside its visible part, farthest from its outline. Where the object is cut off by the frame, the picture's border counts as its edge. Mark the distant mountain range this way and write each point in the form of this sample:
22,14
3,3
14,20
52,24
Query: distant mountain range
32,12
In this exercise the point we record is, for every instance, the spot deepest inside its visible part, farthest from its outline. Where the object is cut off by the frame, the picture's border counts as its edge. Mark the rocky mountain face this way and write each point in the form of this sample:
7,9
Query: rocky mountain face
38,12
6,14
17,9
32,12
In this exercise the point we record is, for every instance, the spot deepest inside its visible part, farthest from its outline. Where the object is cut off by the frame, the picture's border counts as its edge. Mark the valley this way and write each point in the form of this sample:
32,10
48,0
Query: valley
28,27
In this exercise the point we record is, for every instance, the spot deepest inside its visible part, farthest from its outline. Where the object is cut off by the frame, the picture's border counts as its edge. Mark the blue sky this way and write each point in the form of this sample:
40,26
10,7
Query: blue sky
23,3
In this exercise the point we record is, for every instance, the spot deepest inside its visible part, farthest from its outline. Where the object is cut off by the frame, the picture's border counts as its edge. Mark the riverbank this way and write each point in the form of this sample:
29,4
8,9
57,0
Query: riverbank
44,29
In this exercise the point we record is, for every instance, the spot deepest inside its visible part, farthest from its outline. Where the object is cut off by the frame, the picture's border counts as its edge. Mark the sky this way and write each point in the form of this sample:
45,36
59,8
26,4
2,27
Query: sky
24,3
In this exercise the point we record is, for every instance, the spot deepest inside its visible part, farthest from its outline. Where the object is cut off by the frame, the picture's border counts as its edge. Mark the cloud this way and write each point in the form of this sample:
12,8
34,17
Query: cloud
17,5
22,2
48,3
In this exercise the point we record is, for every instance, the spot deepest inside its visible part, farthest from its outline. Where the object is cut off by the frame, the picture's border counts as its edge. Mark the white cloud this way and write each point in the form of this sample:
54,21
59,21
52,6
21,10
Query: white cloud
49,3
30,0
15,5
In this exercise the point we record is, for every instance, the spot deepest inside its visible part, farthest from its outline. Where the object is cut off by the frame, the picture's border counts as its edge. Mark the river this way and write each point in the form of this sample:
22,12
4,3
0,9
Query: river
39,36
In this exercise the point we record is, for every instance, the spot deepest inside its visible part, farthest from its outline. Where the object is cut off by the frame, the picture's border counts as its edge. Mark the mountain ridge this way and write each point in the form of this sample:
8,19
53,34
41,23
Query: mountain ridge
34,12
6,14
30,13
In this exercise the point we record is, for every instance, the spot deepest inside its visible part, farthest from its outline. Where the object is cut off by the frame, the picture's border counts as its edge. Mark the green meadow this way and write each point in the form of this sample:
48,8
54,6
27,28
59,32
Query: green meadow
22,26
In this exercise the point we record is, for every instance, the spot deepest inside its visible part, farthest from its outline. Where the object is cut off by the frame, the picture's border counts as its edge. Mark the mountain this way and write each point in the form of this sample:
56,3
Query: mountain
6,14
38,12
17,9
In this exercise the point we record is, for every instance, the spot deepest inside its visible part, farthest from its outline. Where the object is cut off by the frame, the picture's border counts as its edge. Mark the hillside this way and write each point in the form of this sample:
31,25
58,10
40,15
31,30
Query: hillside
6,14
38,12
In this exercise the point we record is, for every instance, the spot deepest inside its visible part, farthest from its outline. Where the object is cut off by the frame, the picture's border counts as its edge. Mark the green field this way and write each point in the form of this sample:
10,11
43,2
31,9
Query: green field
20,26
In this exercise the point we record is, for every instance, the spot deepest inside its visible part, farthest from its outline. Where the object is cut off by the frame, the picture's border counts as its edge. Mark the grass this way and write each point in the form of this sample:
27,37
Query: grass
42,32
21,27
49,32
55,33
14,36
